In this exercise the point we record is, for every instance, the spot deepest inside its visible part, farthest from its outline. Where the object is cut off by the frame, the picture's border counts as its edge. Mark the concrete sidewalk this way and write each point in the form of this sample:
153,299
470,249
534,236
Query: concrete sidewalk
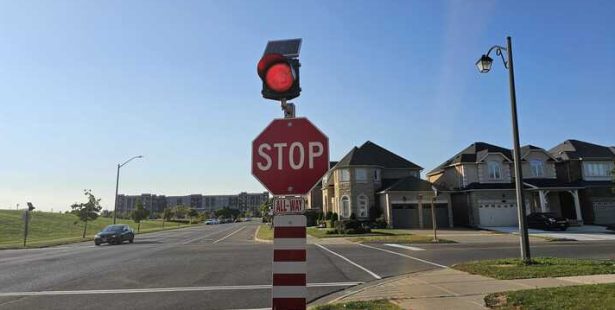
449,289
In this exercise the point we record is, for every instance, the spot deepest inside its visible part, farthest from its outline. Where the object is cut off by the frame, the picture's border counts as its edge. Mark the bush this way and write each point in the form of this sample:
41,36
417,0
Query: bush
329,215
312,217
350,227
334,217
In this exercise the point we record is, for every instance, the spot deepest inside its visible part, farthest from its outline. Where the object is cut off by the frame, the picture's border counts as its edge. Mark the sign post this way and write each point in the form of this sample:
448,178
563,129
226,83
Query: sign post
288,158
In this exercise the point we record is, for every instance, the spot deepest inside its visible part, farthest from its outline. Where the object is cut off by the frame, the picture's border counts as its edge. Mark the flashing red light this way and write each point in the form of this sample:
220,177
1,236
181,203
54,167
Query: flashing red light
279,77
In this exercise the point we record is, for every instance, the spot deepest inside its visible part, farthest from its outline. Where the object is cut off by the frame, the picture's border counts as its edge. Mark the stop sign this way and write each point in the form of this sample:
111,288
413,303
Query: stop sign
290,156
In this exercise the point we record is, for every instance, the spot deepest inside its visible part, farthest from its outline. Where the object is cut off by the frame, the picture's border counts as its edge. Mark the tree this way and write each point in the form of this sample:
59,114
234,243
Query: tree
87,211
181,211
192,213
227,213
139,214
167,215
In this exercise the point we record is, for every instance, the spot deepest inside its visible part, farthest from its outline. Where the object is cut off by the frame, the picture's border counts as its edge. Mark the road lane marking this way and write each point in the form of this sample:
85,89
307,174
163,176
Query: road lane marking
167,289
411,248
404,255
207,235
351,262
236,231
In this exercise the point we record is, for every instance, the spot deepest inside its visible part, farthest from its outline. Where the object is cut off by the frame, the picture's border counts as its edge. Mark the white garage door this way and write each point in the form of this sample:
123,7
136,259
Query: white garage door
604,212
497,214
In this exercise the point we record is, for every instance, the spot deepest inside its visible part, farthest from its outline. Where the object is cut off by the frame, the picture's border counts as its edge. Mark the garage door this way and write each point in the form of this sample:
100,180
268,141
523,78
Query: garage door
441,210
604,212
405,215
497,214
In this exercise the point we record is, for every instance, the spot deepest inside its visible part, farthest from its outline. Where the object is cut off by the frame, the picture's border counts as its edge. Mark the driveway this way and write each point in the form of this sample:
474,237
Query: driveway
581,233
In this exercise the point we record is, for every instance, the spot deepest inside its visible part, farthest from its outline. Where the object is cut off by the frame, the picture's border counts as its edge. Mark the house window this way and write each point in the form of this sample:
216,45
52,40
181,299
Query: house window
495,170
361,175
345,202
377,175
538,168
597,169
344,175
363,202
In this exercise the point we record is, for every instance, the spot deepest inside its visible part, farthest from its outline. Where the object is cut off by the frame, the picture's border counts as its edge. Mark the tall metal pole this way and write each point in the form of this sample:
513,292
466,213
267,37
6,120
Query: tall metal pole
117,183
525,242
25,228
433,220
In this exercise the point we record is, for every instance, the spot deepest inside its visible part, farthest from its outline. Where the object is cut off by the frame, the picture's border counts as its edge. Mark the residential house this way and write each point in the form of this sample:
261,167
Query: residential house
591,167
481,181
370,180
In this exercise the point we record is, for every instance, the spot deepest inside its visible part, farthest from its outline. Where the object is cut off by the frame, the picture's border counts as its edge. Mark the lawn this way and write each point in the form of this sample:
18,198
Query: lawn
47,229
381,304
513,268
377,235
265,232
582,297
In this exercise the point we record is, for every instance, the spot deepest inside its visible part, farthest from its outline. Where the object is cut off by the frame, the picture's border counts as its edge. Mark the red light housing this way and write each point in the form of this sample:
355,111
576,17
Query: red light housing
280,77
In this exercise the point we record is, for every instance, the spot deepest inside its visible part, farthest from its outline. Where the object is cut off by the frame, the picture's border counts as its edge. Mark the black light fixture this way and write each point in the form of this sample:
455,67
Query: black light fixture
484,64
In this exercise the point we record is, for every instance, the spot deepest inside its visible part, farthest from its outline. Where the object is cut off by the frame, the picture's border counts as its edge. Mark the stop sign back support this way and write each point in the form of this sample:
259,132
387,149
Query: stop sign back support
290,156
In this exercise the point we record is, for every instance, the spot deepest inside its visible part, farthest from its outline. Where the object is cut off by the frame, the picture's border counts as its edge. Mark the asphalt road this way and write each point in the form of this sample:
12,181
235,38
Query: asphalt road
220,267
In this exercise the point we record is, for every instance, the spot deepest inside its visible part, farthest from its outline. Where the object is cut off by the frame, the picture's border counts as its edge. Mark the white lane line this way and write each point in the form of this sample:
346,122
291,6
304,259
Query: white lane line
351,262
236,231
404,255
207,235
167,289
411,248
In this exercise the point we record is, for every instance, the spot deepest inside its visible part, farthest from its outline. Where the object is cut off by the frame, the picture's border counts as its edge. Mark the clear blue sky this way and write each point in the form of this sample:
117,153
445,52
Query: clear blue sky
87,84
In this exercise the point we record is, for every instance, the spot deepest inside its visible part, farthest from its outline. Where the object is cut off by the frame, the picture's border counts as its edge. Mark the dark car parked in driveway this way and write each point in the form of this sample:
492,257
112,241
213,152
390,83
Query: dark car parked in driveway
115,234
547,221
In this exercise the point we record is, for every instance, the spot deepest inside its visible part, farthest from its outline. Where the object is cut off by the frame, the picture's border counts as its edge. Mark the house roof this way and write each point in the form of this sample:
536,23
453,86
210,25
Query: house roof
471,153
575,149
550,183
371,154
410,184
482,186
527,148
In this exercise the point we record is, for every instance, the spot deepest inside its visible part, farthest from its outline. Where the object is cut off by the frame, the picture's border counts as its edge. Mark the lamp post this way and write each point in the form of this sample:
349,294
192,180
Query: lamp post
484,65
117,184
434,223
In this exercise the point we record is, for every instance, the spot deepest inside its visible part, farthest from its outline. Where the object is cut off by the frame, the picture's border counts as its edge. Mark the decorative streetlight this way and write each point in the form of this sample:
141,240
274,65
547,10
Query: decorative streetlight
484,65
117,183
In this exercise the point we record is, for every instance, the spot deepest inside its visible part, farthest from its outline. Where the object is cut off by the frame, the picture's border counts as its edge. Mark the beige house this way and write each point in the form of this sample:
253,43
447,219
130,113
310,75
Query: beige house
481,179
370,180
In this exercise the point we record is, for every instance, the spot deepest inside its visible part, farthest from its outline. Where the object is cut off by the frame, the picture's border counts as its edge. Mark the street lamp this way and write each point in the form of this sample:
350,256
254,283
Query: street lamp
117,183
484,65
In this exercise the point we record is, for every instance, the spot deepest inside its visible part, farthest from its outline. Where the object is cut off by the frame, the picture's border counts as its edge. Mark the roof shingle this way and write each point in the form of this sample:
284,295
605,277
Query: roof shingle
371,154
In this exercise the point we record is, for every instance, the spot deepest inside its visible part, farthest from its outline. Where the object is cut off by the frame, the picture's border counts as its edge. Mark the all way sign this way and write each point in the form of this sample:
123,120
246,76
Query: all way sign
288,205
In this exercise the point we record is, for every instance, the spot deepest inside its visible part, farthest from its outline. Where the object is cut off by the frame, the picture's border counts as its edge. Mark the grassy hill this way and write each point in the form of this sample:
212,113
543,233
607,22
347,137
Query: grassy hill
47,228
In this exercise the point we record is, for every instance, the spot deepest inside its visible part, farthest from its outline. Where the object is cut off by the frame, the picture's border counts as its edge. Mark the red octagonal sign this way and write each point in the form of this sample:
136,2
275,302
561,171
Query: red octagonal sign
290,156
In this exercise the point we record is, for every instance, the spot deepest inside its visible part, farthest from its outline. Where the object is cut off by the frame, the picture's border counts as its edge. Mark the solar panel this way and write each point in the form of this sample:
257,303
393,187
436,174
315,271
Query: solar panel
288,48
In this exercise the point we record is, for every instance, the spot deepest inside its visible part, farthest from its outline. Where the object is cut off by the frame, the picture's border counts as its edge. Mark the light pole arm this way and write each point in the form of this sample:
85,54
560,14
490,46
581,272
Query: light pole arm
138,156
498,51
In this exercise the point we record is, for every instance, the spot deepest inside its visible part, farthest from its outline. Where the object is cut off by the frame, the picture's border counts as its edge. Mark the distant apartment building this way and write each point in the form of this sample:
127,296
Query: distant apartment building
203,203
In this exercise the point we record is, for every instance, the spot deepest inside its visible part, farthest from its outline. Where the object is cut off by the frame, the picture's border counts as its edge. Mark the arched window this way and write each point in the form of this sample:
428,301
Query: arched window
495,170
345,206
363,203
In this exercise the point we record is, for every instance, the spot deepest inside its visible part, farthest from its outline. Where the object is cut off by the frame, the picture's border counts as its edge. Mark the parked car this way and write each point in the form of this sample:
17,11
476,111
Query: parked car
211,222
115,234
611,227
547,221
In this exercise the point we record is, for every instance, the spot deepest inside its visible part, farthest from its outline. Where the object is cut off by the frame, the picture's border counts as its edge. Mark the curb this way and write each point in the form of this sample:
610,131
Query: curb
337,296
257,239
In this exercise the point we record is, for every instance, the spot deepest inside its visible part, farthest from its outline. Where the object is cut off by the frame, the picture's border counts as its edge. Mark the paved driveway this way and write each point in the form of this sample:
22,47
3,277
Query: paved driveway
582,233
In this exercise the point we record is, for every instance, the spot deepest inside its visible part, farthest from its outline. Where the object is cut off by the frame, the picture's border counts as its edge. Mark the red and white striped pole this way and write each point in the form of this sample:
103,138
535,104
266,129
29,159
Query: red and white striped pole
289,263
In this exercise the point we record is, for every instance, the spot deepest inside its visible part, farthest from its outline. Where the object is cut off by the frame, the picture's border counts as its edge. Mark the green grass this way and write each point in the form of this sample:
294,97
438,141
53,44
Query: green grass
377,235
381,304
582,297
265,232
47,229
513,268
